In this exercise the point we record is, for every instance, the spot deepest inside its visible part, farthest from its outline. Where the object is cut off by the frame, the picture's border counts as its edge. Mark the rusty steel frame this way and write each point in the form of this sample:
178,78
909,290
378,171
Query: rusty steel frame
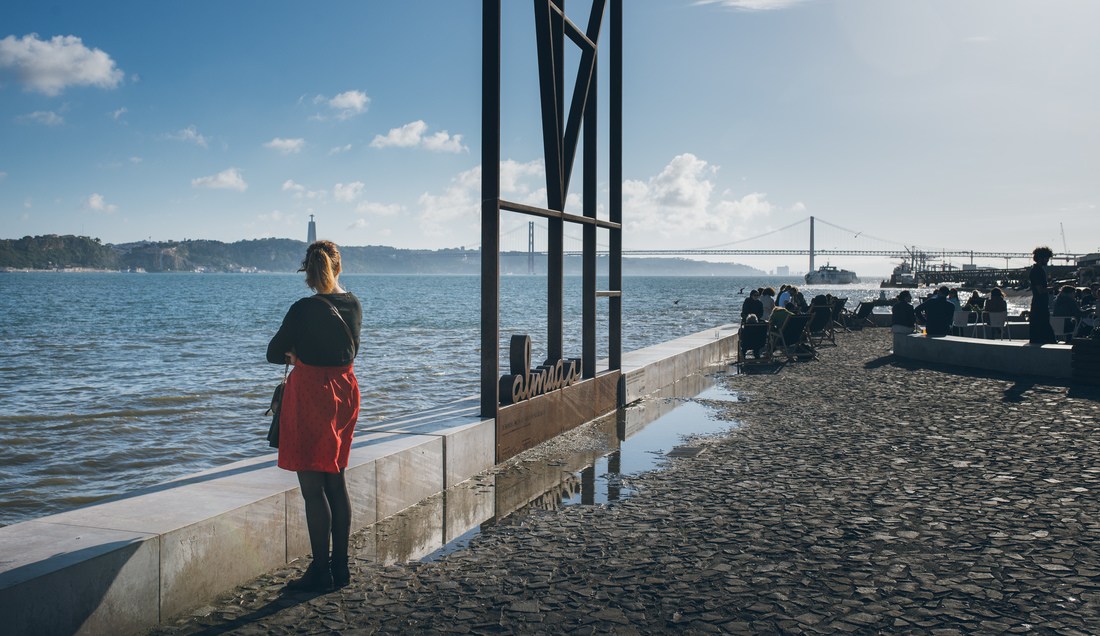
561,131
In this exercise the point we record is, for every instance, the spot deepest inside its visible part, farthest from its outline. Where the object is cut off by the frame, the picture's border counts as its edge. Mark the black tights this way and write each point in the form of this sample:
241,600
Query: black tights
328,512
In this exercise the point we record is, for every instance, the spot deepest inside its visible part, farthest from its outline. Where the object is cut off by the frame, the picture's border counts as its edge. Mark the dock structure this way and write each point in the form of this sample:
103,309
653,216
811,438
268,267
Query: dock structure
985,279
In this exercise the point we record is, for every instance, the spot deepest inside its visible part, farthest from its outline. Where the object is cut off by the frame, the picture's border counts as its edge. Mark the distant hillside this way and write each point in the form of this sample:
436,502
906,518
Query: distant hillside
285,255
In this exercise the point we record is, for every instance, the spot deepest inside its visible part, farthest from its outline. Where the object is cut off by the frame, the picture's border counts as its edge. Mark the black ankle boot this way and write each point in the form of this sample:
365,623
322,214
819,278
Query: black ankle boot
317,578
341,575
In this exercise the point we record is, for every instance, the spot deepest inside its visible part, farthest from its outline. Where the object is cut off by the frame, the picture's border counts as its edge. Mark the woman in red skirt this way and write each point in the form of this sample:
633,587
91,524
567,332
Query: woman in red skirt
320,337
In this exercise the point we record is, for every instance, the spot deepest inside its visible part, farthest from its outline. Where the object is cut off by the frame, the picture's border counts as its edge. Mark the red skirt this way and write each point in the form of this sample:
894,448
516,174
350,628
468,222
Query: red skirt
317,420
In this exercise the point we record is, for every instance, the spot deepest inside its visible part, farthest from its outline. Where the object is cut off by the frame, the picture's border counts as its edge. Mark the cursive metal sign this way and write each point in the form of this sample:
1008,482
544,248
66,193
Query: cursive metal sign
524,383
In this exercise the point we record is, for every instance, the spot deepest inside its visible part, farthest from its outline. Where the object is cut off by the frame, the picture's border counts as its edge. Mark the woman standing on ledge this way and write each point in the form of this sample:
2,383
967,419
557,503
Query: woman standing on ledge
320,337
1039,329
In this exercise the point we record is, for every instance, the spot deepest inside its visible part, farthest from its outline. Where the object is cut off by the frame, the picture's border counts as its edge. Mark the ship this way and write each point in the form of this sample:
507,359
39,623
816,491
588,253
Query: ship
902,278
830,275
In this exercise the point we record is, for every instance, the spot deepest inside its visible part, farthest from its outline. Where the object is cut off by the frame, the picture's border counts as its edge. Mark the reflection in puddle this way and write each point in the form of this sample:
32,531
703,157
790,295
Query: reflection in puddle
636,439
648,431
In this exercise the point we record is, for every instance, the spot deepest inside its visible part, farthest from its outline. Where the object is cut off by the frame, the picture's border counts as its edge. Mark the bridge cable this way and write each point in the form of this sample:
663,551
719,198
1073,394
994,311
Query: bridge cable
753,238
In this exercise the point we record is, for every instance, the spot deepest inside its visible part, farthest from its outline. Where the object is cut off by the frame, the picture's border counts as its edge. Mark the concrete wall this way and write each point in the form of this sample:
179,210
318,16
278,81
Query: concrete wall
650,369
1012,357
125,565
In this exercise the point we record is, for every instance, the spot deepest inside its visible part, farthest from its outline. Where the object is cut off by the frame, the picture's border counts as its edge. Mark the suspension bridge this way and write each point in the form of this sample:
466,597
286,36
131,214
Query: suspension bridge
835,240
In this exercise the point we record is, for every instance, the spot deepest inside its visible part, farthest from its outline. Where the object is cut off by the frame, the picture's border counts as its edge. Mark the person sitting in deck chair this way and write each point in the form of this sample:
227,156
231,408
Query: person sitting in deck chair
754,335
752,306
779,317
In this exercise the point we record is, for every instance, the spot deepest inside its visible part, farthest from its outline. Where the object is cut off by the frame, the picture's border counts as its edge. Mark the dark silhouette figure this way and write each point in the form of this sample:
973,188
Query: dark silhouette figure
936,313
1039,329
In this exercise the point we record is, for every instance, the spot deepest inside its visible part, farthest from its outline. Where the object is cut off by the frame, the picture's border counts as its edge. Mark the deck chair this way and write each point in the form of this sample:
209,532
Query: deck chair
862,316
753,337
793,340
840,313
821,325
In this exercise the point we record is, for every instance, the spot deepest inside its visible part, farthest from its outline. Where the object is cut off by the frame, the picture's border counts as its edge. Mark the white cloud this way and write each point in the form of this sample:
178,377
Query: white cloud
752,5
412,135
461,201
344,106
677,202
97,203
135,159
301,192
228,179
372,208
358,224
443,142
44,117
348,192
3,175
406,136
286,146
340,149
117,114
189,134
50,66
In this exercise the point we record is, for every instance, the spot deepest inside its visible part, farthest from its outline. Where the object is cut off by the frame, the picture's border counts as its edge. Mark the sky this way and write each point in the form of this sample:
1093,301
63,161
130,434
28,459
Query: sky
934,123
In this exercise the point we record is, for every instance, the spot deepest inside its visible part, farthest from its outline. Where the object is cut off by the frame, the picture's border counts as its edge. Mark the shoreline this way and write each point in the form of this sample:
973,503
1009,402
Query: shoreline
861,494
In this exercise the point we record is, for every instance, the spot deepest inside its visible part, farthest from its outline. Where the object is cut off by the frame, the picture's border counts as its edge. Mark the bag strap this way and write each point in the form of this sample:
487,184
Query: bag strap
347,329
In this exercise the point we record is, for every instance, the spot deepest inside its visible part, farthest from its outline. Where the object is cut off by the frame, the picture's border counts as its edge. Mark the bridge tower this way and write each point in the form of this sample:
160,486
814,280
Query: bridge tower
811,244
530,248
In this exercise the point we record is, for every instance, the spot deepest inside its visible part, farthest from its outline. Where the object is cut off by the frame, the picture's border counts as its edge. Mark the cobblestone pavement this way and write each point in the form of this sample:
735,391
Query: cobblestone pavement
863,494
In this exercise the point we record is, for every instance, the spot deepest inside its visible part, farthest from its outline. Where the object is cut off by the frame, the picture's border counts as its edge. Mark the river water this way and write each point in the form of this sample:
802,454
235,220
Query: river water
112,382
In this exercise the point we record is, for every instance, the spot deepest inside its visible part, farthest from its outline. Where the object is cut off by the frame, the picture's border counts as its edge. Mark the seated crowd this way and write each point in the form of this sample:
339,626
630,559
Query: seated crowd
938,311
762,307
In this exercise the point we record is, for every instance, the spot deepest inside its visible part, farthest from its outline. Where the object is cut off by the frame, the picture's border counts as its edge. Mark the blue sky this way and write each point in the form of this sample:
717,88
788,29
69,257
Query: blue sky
942,123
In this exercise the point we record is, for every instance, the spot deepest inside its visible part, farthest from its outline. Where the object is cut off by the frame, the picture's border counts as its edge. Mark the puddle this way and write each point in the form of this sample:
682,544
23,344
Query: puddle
679,420
636,439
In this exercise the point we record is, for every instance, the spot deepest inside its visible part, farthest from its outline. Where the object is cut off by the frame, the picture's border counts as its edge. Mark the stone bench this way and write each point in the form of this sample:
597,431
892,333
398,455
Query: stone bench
1010,357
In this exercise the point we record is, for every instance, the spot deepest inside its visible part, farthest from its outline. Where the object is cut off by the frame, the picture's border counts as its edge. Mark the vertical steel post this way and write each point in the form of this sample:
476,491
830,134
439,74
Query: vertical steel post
588,267
490,206
615,203
555,272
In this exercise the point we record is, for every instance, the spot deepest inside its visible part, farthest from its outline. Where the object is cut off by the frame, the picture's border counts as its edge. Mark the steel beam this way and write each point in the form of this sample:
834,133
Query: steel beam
490,206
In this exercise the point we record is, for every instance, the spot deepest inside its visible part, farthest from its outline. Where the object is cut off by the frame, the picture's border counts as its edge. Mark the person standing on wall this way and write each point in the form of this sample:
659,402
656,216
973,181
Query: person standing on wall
320,337
1039,329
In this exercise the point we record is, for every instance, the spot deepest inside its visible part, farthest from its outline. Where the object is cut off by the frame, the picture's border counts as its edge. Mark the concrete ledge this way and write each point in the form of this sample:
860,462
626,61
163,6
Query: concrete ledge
1012,357
467,437
648,370
125,565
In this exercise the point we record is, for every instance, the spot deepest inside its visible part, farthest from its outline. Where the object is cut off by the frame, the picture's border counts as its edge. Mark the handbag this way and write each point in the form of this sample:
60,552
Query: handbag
273,411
